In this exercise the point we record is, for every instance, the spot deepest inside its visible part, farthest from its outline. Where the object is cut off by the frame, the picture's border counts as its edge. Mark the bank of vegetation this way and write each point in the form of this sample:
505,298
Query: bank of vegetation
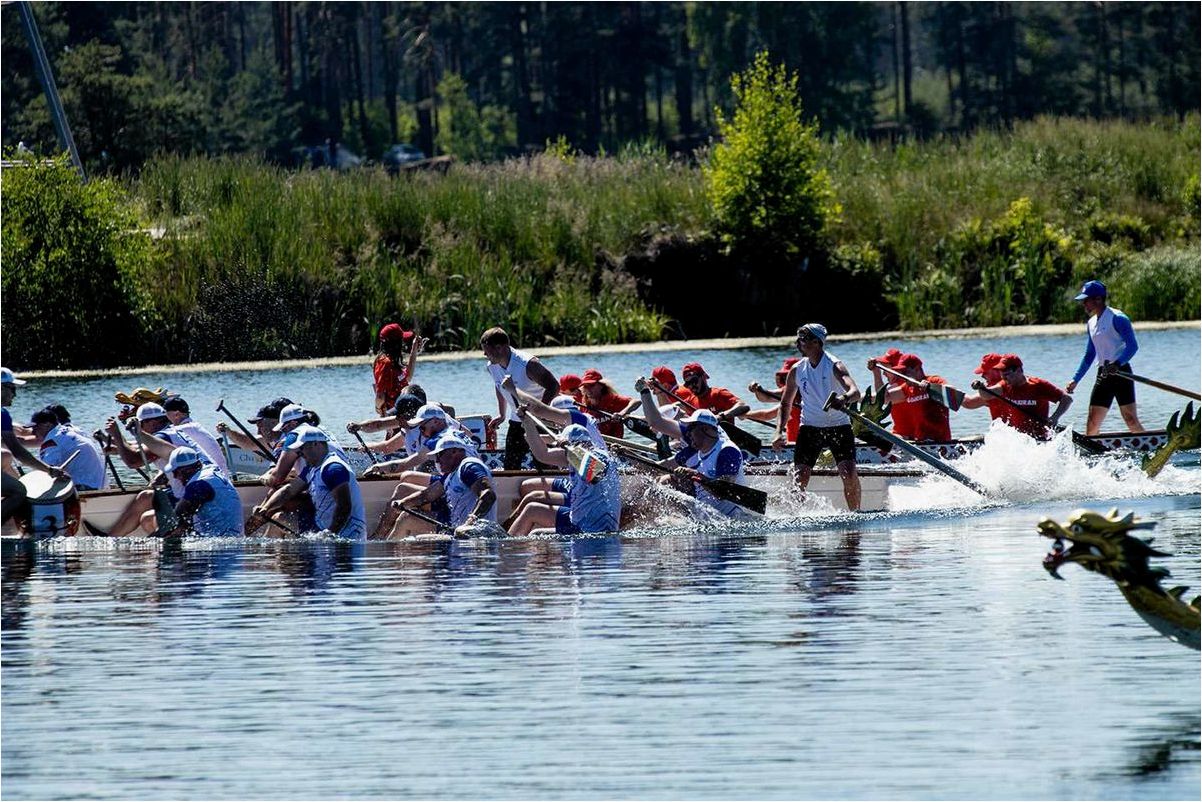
203,259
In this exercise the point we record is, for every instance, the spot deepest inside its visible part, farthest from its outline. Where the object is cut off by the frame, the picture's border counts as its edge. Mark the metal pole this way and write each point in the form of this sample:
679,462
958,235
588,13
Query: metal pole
46,78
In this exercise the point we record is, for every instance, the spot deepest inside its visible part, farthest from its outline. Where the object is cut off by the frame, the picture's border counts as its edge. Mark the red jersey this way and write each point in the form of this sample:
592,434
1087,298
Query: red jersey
1035,395
716,399
794,424
924,418
610,402
388,379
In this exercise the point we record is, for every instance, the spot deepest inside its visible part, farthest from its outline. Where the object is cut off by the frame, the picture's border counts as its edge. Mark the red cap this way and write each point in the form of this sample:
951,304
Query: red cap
664,375
909,361
988,362
592,376
569,382
1009,361
788,364
393,332
693,368
891,358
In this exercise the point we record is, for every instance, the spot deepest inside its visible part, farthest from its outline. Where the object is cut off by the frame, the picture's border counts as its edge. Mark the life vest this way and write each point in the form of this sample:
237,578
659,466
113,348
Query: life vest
221,516
355,527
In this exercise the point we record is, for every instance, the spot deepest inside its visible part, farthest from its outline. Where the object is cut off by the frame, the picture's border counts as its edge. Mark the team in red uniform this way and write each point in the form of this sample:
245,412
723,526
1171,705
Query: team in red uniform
1031,393
719,400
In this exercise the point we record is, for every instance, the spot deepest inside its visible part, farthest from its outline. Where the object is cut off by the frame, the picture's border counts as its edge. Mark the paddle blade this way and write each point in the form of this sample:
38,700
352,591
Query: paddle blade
749,497
745,440
946,396
639,427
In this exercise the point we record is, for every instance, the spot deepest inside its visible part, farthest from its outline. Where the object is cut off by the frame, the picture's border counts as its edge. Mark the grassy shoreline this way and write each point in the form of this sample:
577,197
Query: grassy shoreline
257,263
731,343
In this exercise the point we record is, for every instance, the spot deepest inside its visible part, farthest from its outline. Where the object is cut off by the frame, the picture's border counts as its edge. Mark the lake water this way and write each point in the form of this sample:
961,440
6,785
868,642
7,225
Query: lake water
916,654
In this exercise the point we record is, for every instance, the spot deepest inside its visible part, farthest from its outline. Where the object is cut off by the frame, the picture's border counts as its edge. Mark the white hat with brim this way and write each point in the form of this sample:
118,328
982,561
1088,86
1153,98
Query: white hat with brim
150,410
448,442
307,434
701,416
7,377
181,457
427,412
563,402
288,414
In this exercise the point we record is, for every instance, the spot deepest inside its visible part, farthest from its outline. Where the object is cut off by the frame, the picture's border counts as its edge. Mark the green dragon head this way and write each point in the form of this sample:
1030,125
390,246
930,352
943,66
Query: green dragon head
1184,432
1100,543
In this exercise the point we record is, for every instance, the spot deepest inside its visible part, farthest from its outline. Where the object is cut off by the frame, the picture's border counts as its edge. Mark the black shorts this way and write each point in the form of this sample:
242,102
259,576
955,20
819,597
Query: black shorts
812,439
1113,388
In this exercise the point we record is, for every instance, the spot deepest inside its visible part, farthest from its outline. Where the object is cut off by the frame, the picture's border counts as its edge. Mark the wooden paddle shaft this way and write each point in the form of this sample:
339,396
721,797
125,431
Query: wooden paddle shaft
1159,385
267,455
370,454
1082,442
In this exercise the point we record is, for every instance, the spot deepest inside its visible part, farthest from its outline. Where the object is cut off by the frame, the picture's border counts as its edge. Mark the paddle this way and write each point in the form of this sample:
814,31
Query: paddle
617,441
910,448
135,428
267,455
941,394
1159,385
636,425
744,440
749,497
439,526
1081,441
371,454
108,459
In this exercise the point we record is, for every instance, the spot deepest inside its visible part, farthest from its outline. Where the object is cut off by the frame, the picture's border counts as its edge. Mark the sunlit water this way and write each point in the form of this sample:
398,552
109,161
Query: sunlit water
919,653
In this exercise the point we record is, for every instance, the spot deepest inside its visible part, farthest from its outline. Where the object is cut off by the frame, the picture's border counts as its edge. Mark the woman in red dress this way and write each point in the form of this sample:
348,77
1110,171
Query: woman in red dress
389,377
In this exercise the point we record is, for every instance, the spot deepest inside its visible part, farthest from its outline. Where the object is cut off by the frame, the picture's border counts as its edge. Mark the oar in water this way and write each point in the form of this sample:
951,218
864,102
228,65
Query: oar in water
1079,440
1159,385
911,449
941,394
371,454
752,498
108,459
744,440
267,455
439,526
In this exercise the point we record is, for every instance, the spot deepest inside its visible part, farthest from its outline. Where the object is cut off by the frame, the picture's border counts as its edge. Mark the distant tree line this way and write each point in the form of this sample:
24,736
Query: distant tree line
486,80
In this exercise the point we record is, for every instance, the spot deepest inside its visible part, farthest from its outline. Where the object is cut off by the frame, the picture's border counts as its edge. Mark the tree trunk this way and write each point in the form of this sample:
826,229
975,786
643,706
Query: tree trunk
357,67
684,77
907,62
897,108
521,77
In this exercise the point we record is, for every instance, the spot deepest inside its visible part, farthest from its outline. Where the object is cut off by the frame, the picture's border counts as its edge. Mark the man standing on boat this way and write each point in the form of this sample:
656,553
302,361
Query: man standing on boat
814,378
529,375
1110,339
13,491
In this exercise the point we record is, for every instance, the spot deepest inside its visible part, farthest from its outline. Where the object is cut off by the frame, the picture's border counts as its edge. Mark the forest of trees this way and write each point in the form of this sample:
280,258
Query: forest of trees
485,80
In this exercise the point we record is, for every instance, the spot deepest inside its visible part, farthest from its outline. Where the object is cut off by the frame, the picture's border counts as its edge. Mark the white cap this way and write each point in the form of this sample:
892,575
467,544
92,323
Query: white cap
564,402
151,410
448,441
575,433
307,434
288,414
702,416
427,412
181,457
7,377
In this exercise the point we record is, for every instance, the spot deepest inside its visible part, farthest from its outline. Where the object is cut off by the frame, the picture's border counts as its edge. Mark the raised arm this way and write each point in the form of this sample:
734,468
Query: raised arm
560,417
539,449
651,412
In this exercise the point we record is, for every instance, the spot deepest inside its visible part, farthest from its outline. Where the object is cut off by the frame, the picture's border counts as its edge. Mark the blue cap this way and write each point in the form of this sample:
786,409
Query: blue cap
1091,289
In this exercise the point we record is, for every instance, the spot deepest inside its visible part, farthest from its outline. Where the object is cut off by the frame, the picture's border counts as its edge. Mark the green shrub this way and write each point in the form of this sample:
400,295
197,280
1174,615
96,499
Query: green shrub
73,265
1164,283
764,180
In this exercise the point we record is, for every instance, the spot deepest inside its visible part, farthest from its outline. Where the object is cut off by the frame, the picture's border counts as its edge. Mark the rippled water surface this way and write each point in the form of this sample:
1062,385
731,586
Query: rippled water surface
915,654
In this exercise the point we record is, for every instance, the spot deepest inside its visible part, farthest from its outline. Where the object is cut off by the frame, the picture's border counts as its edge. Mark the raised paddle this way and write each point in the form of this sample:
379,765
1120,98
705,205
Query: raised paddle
941,394
910,448
744,440
108,459
267,455
1079,440
749,497
1158,385
135,429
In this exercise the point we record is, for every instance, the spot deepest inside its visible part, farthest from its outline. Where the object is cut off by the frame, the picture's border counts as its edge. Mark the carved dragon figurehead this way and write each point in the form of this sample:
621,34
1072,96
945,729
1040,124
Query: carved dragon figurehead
1184,432
1102,543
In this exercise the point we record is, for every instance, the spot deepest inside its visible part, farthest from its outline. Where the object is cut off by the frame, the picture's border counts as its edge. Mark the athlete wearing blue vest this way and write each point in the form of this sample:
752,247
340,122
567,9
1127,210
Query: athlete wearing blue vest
593,503
815,376
465,484
330,482
1109,338
210,506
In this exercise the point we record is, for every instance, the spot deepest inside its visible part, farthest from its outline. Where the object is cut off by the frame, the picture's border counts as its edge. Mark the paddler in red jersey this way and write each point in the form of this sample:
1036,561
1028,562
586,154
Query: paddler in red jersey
902,419
1031,393
924,418
990,373
569,384
665,383
725,404
601,396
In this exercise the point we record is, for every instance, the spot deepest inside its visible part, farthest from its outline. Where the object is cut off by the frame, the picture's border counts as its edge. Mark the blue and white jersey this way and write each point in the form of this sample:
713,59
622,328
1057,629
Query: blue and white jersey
334,472
458,488
725,459
208,444
815,383
1110,338
596,506
87,469
590,423
220,510
177,439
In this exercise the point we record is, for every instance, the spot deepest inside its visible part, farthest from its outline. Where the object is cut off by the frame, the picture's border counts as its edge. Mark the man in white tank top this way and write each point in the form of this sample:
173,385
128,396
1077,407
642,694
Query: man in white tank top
815,376
529,375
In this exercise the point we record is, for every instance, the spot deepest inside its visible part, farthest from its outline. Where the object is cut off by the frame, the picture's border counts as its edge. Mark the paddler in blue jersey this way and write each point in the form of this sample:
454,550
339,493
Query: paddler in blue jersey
1110,339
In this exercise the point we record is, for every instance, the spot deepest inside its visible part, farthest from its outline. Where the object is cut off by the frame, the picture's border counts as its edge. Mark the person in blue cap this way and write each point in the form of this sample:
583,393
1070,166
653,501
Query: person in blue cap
1110,339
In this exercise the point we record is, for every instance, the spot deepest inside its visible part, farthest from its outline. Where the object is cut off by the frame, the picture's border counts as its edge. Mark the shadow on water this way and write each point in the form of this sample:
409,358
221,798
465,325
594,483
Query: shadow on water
1163,748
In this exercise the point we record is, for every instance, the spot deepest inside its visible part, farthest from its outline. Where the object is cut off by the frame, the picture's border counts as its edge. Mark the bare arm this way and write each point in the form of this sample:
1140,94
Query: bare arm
537,372
1066,401
18,450
548,456
486,497
843,376
538,408
652,414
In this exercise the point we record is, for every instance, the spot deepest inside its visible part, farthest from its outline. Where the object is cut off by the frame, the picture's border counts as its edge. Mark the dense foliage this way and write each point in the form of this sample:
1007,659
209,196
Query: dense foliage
489,80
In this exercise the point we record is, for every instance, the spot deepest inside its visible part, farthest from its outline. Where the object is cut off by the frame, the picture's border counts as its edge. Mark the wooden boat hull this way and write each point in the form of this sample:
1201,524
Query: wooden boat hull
101,508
